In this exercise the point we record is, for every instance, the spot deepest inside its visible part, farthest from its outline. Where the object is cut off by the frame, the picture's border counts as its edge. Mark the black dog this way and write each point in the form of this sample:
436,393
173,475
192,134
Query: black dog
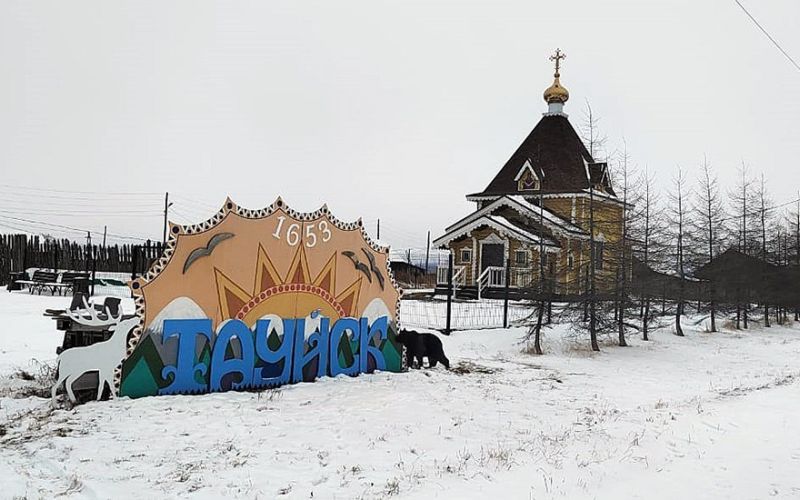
419,345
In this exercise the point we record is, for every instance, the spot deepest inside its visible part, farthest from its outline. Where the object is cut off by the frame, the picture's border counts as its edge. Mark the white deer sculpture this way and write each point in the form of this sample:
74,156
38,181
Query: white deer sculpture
101,357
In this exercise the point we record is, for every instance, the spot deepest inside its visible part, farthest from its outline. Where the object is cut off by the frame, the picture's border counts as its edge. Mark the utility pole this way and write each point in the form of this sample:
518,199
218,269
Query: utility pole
88,254
105,231
505,294
167,204
592,271
449,292
428,251
537,328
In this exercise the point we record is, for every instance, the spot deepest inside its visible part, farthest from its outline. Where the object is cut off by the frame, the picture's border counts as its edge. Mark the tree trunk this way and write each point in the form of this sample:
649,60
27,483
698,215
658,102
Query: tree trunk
620,313
537,347
713,317
586,302
646,318
592,282
593,326
678,328
549,311
744,313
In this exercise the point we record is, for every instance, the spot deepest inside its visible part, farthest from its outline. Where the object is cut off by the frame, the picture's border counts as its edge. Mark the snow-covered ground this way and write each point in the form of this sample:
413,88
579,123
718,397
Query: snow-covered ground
705,416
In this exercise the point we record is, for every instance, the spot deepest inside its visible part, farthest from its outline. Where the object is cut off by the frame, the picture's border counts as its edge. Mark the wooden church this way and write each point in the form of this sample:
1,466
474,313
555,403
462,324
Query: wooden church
540,205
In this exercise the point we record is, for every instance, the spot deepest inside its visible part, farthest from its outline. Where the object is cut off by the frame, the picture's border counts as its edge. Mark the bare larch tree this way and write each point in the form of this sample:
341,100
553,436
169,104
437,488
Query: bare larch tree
741,202
595,142
764,215
625,189
677,213
643,231
706,224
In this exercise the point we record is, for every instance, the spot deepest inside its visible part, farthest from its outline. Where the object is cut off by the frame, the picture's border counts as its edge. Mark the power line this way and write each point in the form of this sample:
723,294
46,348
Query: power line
45,224
63,227
193,212
48,190
28,196
14,228
757,211
775,42
200,204
67,212
184,218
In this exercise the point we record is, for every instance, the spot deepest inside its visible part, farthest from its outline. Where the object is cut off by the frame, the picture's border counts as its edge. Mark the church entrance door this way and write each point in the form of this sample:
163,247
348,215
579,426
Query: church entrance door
491,255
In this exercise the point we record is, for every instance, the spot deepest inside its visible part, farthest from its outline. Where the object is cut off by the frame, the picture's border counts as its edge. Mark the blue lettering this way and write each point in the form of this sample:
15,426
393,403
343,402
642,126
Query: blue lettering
379,327
283,353
317,346
243,366
184,370
315,352
340,329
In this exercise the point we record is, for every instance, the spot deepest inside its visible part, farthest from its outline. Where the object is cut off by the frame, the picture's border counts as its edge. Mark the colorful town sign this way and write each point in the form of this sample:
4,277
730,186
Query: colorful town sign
258,298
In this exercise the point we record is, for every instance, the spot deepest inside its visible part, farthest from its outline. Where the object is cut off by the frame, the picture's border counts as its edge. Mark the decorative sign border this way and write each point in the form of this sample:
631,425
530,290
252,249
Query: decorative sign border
229,207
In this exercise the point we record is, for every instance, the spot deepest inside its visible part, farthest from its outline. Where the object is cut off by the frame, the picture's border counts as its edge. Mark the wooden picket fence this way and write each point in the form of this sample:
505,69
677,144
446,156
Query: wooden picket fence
19,252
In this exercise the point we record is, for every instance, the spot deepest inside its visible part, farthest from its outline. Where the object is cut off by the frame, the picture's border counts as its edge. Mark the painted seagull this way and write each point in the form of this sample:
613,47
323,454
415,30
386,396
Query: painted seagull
374,266
205,251
359,265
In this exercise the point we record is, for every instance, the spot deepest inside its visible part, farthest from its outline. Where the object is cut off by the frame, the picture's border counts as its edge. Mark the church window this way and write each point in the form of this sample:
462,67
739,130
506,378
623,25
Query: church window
521,258
466,255
570,260
598,254
528,181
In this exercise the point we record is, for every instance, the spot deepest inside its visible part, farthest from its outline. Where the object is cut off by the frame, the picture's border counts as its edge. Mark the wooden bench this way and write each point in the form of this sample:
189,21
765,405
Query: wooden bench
70,278
54,281
41,280
14,278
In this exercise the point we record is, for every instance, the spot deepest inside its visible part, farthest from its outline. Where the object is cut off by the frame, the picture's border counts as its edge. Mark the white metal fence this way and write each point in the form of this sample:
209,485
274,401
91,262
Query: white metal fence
465,314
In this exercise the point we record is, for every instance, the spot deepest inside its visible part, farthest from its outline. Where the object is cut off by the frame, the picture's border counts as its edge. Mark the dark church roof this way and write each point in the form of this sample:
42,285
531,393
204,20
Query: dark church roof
553,148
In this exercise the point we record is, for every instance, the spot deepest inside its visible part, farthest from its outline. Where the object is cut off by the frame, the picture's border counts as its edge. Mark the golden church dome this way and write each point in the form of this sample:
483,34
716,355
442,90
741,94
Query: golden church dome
555,93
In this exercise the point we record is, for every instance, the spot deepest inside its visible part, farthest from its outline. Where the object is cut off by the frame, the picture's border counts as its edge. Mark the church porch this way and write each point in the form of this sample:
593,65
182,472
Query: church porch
485,257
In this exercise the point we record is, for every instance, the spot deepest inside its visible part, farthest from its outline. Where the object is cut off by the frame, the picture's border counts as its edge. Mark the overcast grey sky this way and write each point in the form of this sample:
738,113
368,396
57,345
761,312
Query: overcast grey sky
390,110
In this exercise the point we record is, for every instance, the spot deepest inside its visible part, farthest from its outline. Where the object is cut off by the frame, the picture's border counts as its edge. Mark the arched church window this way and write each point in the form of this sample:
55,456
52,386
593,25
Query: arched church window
528,182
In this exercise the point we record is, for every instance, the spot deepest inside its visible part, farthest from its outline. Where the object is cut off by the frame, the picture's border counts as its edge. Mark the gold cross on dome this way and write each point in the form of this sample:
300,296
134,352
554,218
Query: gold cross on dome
557,57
